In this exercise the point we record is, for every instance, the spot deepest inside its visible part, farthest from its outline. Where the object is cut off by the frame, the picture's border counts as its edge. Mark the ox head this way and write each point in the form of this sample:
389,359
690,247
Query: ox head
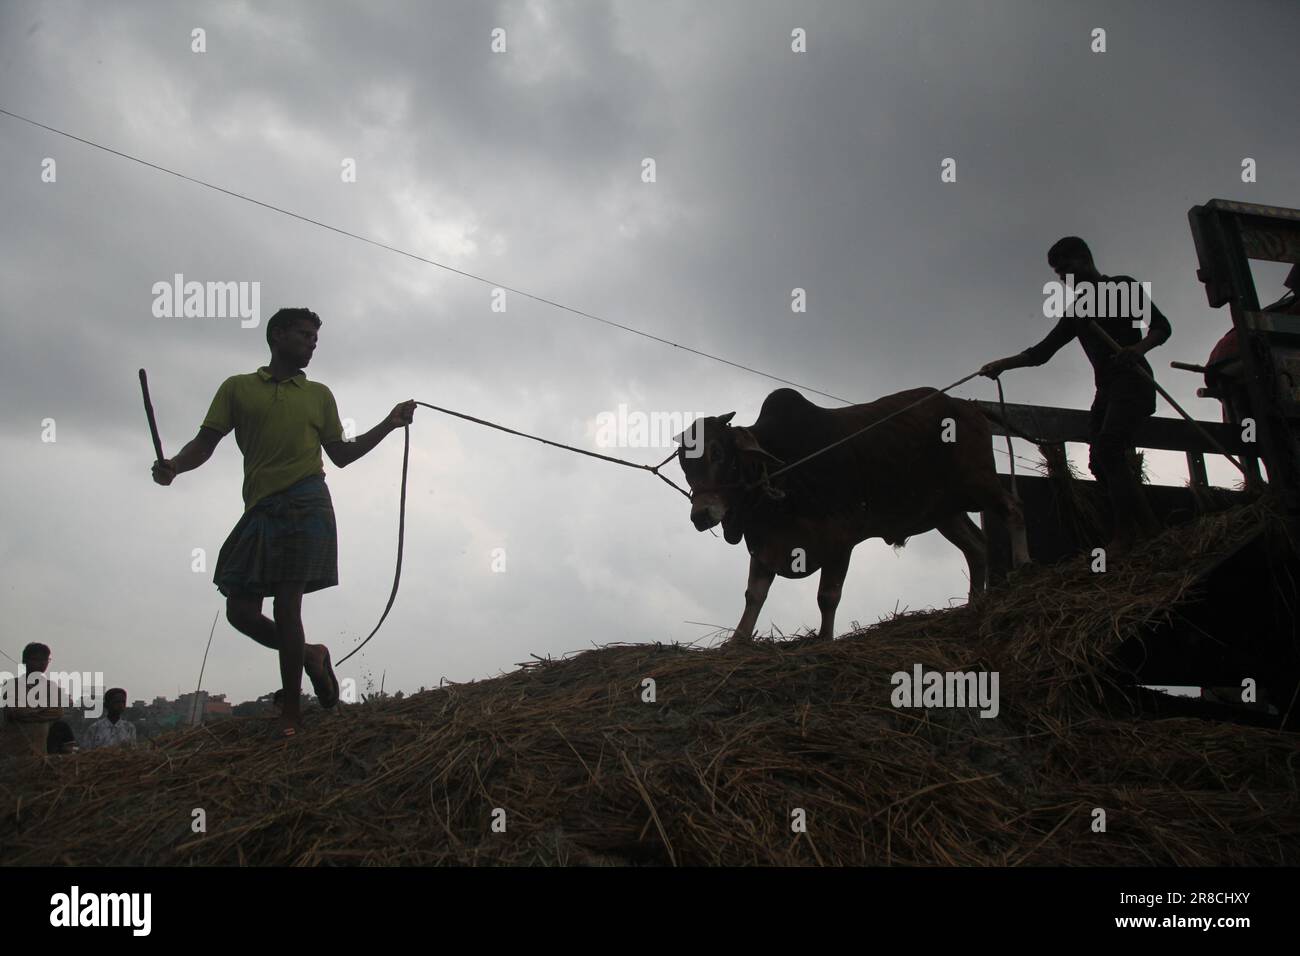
719,461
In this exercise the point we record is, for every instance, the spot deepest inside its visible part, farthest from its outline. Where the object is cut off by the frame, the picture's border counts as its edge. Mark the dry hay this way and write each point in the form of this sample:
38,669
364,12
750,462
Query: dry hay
710,773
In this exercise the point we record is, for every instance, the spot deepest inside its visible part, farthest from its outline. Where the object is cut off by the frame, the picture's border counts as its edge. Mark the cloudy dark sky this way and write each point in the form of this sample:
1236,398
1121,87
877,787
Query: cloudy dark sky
775,170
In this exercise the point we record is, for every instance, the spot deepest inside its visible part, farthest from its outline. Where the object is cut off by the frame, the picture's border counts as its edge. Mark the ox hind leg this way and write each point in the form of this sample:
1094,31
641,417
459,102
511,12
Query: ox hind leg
970,540
830,586
760,579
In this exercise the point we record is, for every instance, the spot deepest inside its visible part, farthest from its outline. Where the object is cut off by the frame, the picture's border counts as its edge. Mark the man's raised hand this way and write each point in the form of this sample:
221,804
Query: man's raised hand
402,414
164,471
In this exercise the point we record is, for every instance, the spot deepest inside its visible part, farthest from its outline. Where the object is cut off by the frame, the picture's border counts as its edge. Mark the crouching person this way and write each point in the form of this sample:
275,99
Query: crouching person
112,730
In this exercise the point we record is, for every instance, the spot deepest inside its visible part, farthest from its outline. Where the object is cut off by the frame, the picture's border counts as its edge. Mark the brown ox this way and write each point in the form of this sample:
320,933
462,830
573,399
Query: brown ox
923,469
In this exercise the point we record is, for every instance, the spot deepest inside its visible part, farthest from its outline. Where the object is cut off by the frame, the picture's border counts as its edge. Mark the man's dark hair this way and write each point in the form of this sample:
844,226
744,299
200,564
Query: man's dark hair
284,318
1069,246
115,692
35,650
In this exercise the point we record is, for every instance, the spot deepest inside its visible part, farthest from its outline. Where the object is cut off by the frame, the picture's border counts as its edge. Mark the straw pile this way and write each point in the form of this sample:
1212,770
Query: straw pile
714,771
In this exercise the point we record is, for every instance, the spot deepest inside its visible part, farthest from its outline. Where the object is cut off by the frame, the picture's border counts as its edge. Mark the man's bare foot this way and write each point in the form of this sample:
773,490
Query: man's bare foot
316,662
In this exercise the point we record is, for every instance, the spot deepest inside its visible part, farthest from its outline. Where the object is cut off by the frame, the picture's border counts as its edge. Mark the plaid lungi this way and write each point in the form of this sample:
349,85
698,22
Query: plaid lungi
286,537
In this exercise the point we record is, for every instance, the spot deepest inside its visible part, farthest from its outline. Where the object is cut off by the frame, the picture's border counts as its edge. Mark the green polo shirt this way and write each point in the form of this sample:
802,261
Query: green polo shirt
279,427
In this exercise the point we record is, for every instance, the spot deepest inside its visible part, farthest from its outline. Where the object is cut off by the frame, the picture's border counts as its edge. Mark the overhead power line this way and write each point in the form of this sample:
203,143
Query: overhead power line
419,258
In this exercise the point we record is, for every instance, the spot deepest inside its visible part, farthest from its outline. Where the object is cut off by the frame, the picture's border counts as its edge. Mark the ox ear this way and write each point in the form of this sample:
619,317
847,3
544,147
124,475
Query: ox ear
693,437
746,443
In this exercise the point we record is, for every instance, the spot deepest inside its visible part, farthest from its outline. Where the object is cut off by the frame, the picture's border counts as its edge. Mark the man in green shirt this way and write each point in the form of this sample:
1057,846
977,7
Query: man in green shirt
285,544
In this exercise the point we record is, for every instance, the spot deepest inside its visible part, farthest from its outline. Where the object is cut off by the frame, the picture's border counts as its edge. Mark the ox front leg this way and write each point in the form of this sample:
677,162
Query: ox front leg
760,579
829,589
